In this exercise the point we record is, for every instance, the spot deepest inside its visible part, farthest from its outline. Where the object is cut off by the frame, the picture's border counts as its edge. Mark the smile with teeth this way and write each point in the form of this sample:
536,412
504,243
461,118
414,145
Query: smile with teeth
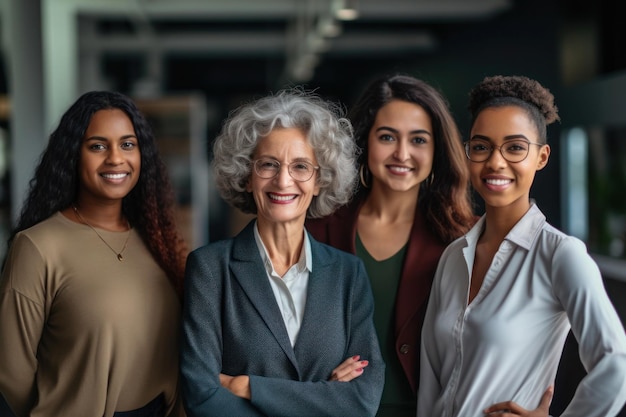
114,176
398,169
281,197
498,181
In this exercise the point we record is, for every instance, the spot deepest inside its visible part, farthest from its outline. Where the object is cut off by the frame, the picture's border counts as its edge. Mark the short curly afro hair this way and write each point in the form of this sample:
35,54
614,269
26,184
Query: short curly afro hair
516,90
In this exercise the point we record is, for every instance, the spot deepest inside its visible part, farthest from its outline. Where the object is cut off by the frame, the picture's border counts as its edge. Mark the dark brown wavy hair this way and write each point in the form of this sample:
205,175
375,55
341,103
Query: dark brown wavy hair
445,201
149,207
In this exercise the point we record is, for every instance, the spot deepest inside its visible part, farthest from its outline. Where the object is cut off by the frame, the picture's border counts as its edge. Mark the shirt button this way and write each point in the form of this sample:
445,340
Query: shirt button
404,349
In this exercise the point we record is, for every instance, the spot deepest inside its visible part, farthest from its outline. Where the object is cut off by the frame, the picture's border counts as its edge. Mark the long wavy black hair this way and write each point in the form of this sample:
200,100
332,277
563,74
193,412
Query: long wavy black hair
149,206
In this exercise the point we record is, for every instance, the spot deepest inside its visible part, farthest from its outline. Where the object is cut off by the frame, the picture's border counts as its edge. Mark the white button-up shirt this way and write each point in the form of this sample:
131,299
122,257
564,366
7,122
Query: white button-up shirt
290,290
506,344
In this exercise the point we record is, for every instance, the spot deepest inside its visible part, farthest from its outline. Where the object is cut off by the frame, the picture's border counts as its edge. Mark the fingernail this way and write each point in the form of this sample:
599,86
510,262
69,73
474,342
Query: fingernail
364,363
360,370
355,357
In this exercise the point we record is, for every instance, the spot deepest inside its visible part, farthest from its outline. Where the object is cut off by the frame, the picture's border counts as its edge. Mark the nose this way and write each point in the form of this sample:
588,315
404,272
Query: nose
283,178
496,160
114,156
402,151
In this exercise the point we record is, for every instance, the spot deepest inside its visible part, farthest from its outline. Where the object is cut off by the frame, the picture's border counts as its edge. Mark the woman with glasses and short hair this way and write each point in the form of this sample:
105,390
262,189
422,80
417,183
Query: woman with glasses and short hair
506,294
275,323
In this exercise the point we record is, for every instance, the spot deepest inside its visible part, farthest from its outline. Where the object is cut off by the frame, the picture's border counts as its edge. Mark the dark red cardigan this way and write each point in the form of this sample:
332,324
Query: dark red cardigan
418,270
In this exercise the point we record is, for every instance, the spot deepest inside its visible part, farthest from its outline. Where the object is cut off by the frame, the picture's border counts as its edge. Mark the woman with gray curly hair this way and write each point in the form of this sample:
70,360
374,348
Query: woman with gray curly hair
328,133
276,323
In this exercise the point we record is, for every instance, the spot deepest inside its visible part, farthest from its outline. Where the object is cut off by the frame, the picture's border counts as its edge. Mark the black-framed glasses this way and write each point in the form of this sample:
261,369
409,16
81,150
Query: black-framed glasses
300,170
480,150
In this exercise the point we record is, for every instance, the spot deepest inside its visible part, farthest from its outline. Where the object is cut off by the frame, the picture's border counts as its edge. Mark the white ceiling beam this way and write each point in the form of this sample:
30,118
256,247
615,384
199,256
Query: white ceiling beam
379,10
258,43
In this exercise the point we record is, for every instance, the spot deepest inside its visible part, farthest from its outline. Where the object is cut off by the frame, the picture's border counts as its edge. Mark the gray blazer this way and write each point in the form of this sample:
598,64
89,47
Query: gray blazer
232,324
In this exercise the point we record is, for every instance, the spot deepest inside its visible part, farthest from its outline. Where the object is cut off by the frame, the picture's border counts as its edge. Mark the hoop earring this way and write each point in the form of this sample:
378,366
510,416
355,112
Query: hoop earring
428,181
363,174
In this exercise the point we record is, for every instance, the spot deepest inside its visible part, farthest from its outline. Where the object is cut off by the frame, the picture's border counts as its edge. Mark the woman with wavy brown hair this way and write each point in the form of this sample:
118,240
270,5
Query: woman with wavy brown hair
90,292
413,200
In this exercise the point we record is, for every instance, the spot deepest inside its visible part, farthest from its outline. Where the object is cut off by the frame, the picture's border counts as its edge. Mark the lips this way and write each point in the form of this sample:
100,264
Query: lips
281,198
497,181
114,176
396,169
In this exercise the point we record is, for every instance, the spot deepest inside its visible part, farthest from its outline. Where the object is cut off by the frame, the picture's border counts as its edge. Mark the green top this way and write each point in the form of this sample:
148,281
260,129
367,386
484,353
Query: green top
397,399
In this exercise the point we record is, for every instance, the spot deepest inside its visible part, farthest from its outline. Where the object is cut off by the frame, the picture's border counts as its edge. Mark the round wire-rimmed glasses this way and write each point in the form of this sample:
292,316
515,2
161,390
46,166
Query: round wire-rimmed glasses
300,171
516,150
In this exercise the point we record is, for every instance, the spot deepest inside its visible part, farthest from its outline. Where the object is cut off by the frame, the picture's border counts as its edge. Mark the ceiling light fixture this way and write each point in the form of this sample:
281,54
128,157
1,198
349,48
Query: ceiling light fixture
346,9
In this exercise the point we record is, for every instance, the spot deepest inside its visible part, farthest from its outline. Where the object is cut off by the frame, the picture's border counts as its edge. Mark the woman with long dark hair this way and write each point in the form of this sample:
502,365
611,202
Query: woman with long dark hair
90,291
413,199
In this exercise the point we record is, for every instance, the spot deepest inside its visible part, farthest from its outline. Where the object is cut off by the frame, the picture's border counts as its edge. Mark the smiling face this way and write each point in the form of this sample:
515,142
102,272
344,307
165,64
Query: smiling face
401,146
110,160
282,199
500,183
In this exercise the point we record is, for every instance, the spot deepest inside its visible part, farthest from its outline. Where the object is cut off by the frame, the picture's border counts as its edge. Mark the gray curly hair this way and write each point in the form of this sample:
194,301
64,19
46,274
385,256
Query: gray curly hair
327,129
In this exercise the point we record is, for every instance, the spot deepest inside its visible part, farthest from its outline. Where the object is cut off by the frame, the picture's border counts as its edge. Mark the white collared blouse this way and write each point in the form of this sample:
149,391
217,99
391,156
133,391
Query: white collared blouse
507,343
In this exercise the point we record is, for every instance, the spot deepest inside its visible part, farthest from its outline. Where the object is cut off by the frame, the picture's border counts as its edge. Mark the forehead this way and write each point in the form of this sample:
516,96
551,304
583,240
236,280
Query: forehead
402,112
288,143
112,120
500,122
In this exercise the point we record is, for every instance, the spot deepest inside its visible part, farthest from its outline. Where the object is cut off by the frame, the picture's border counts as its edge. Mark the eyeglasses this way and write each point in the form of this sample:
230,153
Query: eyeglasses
300,171
480,150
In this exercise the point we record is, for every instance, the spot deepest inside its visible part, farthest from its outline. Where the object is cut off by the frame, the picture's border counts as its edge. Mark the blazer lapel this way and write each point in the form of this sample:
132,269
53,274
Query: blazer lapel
247,267
316,314
417,272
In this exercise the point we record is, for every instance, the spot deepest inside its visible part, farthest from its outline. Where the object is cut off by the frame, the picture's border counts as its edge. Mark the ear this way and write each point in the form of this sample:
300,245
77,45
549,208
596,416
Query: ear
544,156
316,190
249,185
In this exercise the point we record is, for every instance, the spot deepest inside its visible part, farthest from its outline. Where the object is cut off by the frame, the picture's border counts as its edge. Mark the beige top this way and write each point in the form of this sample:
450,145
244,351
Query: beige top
82,334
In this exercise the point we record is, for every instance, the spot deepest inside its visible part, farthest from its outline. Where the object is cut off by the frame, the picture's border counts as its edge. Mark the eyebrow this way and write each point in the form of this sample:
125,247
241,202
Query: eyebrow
508,137
97,137
396,131
297,159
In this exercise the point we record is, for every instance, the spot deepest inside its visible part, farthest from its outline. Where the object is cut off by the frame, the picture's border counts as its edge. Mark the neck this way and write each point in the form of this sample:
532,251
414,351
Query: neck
391,206
107,217
500,220
283,241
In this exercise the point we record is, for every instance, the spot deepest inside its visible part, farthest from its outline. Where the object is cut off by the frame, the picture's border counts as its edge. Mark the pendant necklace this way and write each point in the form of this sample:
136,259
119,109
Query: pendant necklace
119,255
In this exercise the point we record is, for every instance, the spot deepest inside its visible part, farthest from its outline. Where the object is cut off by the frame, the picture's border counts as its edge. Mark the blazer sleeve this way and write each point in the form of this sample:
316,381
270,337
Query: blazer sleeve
578,285
359,397
201,350
22,317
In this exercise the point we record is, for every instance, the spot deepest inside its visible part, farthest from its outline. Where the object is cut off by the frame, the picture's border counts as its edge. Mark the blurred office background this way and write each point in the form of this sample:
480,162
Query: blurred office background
189,62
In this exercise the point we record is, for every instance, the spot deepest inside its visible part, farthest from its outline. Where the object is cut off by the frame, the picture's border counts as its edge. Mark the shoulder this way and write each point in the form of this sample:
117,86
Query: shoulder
337,260
554,240
47,234
56,222
566,257
223,248
457,245
212,251
327,252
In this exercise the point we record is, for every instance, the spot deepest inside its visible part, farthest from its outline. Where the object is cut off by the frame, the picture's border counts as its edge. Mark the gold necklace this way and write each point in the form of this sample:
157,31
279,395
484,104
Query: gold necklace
120,257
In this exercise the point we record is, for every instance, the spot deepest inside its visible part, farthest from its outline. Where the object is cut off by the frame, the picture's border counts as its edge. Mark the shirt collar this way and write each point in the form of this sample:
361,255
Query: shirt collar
522,234
304,262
